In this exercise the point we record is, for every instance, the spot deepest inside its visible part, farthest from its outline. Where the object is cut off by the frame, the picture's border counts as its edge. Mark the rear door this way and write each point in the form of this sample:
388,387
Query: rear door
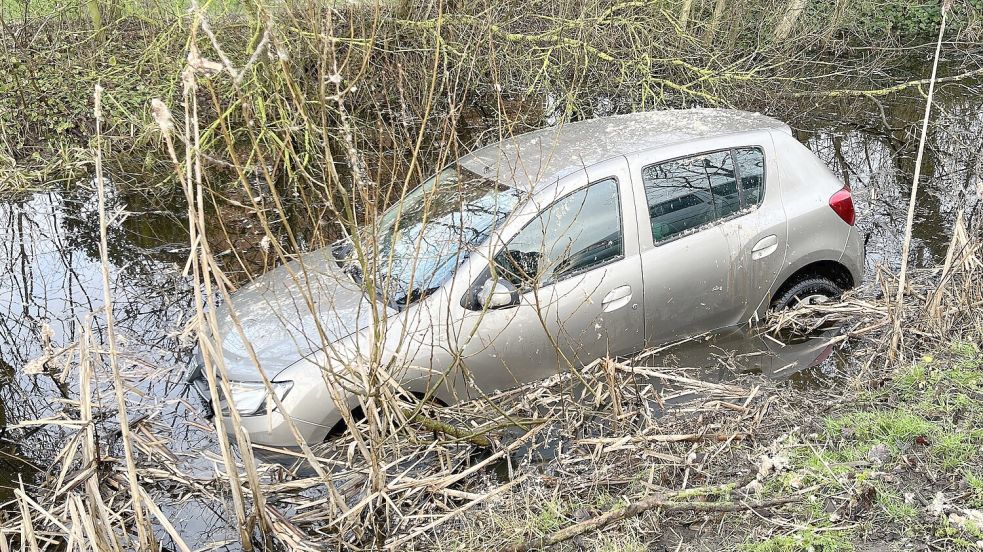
762,225
703,222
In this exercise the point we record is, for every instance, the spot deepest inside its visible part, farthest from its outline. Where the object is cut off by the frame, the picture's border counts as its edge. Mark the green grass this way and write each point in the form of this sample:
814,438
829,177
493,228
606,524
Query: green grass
803,541
928,418
896,428
550,518
620,543
894,506
975,481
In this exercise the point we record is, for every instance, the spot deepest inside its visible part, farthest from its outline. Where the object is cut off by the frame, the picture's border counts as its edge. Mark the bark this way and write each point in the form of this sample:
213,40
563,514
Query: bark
684,13
787,24
448,429
95,16
718,14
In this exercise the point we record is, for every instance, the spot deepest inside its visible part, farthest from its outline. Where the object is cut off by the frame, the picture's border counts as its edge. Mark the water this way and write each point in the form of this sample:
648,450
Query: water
51,284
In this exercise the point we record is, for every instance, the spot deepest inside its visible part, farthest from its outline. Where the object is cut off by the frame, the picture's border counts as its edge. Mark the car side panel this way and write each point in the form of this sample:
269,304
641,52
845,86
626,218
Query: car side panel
815,231
556,326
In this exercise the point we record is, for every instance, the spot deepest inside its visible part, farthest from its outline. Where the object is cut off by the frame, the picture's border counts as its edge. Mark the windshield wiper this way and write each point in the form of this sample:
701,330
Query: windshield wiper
341,251
416,294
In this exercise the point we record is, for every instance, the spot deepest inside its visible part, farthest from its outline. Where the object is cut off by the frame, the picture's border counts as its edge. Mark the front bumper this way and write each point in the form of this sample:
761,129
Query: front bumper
269,428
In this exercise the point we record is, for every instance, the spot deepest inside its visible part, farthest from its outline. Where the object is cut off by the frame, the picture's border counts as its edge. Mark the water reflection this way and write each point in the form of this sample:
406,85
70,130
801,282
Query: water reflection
725,355
51,290
872,146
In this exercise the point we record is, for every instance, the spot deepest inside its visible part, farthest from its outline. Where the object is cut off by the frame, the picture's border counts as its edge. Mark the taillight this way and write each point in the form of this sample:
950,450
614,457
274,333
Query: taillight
842,203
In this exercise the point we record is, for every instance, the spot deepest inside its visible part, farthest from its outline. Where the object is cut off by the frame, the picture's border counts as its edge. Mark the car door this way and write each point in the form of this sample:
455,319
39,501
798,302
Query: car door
762,225
576,269
695,280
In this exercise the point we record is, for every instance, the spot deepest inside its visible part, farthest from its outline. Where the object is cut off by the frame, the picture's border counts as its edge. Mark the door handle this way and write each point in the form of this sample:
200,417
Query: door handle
766,246
616,298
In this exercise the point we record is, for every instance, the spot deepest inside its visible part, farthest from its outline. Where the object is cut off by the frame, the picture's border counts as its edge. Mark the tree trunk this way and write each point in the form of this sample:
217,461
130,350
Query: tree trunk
95,16
834,23
684,13
734,28
718,14
787,24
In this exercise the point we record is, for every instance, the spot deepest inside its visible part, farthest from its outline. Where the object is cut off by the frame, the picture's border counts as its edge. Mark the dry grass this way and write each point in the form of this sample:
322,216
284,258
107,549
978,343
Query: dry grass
635,431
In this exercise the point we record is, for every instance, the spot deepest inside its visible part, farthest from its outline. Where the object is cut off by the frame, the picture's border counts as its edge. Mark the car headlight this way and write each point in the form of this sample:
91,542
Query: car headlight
250,396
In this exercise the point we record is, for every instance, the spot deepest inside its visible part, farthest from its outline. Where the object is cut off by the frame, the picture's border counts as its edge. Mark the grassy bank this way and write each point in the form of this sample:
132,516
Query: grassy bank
894,465
898,464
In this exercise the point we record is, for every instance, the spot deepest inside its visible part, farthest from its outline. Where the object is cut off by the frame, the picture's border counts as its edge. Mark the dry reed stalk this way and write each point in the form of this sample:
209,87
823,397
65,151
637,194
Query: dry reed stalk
27,525
145,534
102,536
909,223
183,171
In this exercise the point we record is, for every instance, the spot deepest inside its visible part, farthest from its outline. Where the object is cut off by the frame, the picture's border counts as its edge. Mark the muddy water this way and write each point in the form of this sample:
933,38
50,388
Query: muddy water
51,283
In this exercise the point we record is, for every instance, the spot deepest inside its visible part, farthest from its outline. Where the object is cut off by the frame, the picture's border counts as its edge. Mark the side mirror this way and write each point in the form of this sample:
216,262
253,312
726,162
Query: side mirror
497,293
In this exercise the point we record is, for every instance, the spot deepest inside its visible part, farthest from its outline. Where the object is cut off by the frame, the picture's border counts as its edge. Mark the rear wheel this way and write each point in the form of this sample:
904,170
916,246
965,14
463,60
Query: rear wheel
810,291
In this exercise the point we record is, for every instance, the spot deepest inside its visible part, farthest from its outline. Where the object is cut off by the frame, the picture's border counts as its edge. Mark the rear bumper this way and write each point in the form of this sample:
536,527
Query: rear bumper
853,256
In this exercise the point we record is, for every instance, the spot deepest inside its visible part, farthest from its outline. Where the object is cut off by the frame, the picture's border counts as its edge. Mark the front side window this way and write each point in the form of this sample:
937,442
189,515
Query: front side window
577,233
419,242
689,193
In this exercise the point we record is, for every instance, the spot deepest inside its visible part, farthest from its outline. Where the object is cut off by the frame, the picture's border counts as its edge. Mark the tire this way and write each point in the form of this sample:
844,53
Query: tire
816,289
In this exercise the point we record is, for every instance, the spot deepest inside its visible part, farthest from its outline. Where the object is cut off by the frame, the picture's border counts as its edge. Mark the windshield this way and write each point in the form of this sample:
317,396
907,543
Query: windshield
421,240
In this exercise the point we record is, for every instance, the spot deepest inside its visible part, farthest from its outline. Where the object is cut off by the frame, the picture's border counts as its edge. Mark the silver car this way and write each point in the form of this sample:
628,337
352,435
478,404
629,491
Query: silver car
541,252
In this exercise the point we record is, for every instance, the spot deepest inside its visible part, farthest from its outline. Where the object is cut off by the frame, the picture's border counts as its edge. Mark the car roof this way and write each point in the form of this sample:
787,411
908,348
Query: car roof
551,153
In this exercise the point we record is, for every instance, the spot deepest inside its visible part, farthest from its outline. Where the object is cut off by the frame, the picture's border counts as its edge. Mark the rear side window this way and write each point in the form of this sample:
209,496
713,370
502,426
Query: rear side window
691,192
577,233
678,195
723,183
751,166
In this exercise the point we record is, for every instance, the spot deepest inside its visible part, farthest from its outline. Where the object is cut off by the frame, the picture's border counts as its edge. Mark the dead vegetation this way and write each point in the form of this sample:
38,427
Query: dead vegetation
636,451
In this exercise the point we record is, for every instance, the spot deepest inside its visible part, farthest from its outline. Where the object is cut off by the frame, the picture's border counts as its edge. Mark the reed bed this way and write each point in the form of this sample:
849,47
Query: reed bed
655,440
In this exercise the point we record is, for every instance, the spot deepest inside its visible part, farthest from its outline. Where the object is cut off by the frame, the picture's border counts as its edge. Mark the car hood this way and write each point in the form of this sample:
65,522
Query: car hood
290,312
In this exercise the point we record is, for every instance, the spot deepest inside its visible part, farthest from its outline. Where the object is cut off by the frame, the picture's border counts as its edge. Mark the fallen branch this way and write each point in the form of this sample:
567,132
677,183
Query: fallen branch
877,92
477,438
636,508
670,438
